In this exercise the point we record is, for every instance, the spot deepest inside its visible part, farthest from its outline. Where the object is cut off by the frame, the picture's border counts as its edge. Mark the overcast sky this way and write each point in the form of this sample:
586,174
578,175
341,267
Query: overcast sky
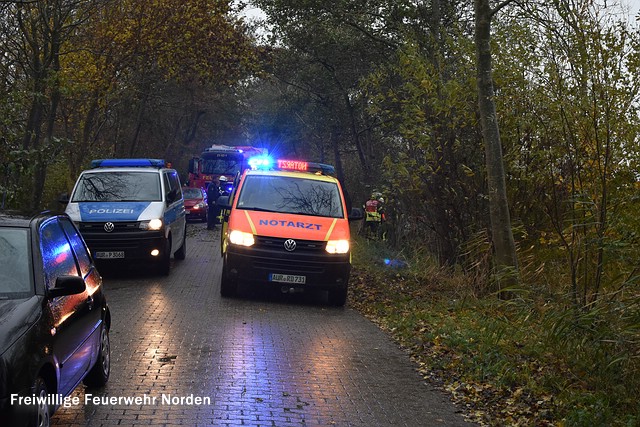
634,9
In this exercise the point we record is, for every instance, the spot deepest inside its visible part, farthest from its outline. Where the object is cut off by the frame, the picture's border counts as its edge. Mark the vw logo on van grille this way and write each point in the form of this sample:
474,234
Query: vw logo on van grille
290,245
108,227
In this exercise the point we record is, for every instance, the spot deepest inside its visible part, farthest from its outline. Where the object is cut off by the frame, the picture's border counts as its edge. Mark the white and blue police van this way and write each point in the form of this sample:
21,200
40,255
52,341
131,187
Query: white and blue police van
130,210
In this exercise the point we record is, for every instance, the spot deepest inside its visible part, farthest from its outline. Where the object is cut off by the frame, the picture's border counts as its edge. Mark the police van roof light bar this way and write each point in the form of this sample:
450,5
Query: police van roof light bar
123,163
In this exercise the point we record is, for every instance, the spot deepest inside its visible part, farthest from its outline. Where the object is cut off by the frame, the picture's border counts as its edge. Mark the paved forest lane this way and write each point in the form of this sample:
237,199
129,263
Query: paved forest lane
190,357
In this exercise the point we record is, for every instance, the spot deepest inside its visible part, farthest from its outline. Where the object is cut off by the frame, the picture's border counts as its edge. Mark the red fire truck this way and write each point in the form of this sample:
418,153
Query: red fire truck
221,160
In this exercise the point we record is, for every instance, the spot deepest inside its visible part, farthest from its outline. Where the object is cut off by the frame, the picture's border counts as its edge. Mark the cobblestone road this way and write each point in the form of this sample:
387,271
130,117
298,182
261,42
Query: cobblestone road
255,360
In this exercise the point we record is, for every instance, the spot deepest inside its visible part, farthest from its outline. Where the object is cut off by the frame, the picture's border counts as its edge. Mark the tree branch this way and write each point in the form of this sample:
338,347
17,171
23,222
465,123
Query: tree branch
500,6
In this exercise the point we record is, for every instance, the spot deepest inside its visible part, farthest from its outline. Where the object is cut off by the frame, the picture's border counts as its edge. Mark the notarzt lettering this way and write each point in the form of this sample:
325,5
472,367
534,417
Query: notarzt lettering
283,223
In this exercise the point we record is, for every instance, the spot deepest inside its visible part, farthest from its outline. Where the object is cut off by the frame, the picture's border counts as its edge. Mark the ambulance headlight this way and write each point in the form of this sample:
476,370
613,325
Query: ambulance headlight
241,238
153,224
337,246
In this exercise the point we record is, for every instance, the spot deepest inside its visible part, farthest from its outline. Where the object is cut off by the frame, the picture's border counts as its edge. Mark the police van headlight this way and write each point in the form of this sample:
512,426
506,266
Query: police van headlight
241,238
153,224
337,246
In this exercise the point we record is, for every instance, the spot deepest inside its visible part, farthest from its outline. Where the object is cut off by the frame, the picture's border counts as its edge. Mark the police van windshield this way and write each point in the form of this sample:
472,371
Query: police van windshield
290,195
118,187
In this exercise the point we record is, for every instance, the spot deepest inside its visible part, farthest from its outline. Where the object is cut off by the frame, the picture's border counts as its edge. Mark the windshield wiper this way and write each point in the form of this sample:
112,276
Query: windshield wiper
255,208
314,214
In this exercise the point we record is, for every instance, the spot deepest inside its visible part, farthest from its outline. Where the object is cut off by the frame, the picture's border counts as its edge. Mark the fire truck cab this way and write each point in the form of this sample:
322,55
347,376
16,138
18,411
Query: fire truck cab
220,160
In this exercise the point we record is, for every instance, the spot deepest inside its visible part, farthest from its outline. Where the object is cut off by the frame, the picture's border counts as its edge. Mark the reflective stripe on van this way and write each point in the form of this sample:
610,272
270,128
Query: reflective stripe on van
111,211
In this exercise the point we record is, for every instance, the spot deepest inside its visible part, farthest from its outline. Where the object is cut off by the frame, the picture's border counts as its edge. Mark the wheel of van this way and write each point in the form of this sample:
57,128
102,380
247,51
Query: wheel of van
99,374
40,413
228,287
182,252
164,266
338,297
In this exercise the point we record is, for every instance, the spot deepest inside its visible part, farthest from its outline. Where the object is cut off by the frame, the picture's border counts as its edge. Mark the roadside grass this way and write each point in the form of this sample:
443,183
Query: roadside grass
531,360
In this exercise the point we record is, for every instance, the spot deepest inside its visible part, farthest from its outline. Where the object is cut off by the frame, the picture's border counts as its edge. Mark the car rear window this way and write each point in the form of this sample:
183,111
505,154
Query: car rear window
15,256
291,195
192,193
118,187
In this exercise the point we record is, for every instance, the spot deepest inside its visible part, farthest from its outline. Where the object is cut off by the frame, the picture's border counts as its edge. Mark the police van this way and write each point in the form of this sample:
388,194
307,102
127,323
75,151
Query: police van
286,225
130,210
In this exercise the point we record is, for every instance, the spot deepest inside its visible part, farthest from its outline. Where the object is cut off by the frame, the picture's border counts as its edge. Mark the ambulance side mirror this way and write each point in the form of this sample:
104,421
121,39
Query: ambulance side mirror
223,202
356,214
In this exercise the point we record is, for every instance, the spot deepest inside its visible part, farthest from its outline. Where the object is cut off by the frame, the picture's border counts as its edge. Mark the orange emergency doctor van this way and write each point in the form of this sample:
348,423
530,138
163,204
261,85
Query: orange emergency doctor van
286,225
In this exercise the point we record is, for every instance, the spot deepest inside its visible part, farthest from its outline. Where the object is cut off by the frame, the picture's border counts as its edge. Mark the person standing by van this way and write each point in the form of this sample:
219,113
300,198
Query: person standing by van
374,215
213,191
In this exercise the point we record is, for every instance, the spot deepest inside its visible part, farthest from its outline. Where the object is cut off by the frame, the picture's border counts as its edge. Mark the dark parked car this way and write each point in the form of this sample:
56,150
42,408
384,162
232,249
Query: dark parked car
195,203
54,318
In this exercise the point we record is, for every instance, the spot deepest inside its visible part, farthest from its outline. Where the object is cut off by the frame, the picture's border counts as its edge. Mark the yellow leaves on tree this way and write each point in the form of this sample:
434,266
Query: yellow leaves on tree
198,39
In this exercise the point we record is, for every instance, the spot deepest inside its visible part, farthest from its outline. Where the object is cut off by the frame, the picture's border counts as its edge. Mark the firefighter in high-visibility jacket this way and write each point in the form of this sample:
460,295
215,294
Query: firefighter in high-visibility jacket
374,215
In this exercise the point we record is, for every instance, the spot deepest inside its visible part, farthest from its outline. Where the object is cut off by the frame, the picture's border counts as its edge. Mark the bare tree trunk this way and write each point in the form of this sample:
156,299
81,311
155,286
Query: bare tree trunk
505,260
337,161
354,131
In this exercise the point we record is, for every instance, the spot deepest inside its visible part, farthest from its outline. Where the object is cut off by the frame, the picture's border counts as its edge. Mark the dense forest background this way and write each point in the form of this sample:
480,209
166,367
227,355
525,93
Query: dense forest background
388,92
385,90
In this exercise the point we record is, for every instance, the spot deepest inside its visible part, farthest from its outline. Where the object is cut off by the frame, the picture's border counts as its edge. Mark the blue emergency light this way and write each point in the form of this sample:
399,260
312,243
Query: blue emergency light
261,162
127,163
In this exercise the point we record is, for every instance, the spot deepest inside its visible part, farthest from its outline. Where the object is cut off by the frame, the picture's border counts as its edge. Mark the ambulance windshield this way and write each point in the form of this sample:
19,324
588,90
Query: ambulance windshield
290,195
118,187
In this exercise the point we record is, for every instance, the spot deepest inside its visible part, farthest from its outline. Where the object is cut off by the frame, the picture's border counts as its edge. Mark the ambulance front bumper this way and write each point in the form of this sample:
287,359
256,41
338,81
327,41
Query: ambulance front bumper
305,269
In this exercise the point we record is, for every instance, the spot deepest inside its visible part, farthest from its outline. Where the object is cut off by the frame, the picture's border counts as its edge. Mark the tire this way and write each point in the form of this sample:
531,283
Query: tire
40,414
228,288
338,297
99,374
182,252
164,266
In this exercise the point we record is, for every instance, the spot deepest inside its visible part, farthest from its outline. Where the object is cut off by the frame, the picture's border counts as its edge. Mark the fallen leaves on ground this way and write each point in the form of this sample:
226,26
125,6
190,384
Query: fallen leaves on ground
383,299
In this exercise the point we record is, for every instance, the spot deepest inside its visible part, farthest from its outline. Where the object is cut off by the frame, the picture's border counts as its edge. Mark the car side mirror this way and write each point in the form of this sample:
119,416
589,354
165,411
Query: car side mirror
63,198
67,285
356,214
172,196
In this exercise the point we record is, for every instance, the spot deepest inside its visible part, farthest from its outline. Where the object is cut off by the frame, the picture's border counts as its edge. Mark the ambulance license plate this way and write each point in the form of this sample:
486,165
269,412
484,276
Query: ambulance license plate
287,278
109,255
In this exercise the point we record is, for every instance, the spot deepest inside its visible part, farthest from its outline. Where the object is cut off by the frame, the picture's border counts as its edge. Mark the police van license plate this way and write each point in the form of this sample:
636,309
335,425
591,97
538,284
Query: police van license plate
109,255
287,278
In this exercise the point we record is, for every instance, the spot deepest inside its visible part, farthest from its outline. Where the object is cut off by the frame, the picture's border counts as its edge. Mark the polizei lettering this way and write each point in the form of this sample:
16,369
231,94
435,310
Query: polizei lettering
111,211
294,224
